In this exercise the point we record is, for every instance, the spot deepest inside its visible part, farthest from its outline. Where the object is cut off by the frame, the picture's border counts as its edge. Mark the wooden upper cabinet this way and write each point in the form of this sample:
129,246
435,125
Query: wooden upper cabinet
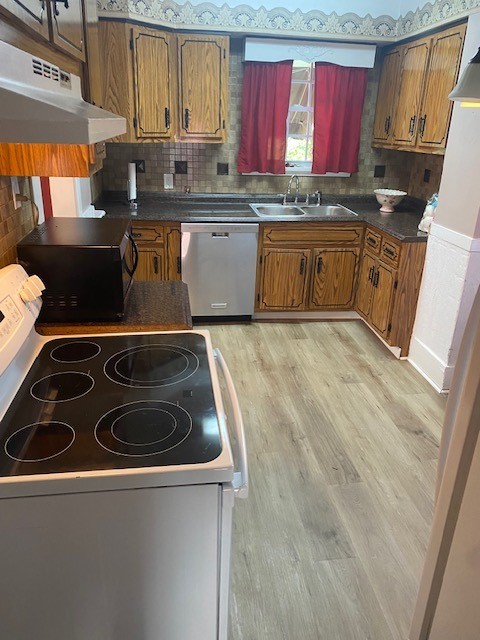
153,54
413,110
446,51
414,63
34,14
203,86
284,278
333,281
68,27
387,97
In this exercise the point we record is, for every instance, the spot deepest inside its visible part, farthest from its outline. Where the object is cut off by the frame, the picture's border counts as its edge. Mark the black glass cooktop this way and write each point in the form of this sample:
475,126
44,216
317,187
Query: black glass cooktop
112,402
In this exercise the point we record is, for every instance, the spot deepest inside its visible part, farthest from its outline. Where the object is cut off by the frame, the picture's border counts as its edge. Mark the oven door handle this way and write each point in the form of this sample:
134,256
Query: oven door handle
240,477
135,257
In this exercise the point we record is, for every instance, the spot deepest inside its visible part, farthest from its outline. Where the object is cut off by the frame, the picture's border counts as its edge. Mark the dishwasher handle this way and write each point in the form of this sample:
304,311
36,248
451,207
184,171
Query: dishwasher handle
240,477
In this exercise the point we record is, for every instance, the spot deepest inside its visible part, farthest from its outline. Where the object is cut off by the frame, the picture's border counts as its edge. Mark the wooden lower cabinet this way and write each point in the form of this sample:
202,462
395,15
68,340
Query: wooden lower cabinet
284,278
150,264
333,279
376,288
158,251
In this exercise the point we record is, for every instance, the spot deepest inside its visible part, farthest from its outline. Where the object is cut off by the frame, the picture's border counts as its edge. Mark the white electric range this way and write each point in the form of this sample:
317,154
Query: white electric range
117,481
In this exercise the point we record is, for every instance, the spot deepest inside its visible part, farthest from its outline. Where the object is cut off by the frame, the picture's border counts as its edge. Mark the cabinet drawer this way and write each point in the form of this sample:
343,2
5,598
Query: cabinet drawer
373,241
312,234
148,233
390,252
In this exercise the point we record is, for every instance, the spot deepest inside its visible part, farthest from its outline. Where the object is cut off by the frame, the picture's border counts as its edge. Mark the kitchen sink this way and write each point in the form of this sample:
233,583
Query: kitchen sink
266,210
290,210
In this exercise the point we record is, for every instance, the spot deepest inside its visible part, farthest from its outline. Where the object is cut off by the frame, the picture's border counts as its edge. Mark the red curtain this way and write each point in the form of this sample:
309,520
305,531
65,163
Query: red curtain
265,101
338,106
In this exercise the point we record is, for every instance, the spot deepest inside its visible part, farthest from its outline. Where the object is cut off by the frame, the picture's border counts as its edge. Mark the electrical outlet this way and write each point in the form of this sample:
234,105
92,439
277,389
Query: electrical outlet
426,175
15,192
168,180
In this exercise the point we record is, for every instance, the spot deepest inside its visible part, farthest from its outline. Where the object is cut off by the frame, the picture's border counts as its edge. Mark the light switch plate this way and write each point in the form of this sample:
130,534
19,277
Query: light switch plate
168,180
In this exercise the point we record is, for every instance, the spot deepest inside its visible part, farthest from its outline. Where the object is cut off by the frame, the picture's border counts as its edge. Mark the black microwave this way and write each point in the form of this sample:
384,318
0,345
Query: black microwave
86,264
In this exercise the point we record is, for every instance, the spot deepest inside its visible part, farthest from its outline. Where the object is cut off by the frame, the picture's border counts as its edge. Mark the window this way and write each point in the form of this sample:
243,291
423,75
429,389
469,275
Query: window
300,118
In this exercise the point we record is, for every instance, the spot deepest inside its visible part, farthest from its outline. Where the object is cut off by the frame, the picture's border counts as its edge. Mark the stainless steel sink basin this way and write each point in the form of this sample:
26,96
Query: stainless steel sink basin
267,210
295,210
326,210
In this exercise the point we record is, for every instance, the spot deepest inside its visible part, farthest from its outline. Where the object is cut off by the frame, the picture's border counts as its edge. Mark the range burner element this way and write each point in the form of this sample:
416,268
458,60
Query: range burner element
63,386
77,351
39,441
143,428
151,366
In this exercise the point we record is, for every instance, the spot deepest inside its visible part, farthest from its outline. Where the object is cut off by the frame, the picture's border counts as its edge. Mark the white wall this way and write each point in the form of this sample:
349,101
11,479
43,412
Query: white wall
452,264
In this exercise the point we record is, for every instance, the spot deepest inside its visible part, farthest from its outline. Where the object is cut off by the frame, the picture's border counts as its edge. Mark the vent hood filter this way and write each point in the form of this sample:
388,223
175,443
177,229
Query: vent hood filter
40,103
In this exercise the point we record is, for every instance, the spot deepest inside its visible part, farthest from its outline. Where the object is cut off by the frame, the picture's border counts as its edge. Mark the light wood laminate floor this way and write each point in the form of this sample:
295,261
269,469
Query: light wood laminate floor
343,441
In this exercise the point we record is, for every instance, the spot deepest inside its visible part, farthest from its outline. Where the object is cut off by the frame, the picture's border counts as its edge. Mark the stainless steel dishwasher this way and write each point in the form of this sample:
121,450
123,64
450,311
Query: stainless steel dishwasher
219,265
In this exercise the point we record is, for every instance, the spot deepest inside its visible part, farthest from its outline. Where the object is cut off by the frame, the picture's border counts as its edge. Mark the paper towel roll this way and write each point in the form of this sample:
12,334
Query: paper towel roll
132,181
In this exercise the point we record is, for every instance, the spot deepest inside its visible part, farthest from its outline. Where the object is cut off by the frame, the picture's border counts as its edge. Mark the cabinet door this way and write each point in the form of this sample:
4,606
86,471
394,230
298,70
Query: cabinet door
284,278
383,290
68,27
446,51
203,86
387,97
173,267
152,62
365,288
150,264
333,278
33,14
414,64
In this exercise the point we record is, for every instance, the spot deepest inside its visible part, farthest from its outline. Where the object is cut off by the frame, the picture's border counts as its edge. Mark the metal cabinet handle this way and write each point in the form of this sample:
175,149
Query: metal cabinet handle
136,234
421,124
389,252
179,265
240,477
55,10
319,264
155,264
411,129
376,278
302,266
371,271
371,241
167,118
187,118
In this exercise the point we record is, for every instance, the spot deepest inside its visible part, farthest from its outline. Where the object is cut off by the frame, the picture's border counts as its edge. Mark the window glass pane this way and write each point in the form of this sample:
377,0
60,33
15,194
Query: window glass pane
300,74
310,149
299,95
296,148
298,123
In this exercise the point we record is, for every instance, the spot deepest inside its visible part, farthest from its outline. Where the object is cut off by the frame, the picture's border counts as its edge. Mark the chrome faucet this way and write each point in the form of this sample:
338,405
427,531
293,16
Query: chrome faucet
289,189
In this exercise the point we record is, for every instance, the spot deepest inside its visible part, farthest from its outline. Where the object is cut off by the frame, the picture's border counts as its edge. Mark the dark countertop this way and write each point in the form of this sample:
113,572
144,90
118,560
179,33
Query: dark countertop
151,306
223,208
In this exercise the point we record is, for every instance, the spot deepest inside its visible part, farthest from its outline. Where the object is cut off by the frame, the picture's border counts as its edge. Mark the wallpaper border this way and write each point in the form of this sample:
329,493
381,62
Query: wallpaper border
280,21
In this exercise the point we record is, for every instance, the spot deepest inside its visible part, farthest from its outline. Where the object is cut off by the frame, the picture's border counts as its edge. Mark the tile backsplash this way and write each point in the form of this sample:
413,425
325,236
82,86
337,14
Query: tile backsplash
203,160
14,223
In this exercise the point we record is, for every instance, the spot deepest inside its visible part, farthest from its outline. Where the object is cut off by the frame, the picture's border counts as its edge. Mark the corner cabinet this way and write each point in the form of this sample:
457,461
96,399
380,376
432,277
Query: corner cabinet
413,110
308,267
168,87
158,251
388,286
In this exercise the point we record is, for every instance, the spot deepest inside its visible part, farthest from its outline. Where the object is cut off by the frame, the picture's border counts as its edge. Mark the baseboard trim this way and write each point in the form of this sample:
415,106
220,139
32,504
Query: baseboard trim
306,315
430,366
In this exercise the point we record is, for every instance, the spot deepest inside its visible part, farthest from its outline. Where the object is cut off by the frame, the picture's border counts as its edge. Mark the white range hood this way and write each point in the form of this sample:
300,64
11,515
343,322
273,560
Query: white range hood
40,103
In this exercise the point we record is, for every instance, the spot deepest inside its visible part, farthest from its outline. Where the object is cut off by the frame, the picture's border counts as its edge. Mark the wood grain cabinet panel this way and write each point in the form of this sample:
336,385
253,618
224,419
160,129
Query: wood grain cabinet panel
153,54
312,234
203,78
373,241
34,14
68,27
387,97
365,289
414,63
383,285
173,255
446,50
333,279
150,264
284,278
413,110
